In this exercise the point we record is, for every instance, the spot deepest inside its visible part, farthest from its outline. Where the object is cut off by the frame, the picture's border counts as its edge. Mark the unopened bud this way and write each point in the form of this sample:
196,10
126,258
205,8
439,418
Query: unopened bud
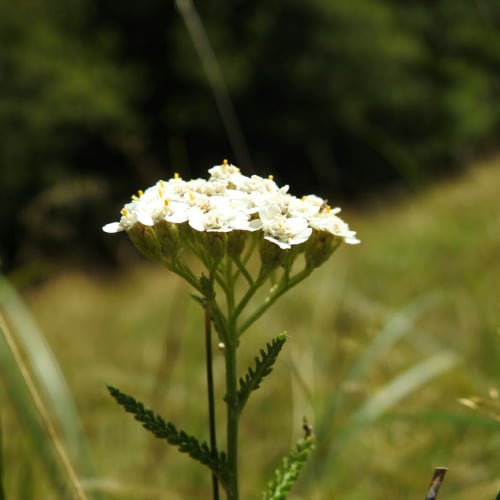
145,240
216,245
319,247
168,236
235,243
271,255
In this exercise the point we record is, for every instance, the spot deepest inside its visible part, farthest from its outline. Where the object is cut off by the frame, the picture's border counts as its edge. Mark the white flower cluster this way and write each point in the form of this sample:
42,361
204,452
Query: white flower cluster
229,201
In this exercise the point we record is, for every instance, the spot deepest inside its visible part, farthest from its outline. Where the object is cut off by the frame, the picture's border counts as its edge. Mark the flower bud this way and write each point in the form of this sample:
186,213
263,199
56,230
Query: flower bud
235,243
168,236
215,245
271,255
319,247
145,240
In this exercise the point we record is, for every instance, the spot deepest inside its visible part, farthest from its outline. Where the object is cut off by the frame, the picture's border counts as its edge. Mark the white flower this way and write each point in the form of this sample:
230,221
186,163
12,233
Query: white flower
228,175
229,201
176,211
223,214
282,230
329,222
128,219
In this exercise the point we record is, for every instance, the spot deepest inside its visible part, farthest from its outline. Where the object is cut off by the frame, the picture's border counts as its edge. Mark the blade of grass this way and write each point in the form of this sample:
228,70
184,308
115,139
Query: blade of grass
403,385
46,371
216,81
2,494
386,397
20,380
396,328
399,325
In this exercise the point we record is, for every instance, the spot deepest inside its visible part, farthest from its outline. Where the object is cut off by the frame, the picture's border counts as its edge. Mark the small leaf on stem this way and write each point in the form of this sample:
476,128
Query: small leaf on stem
263,367
186,443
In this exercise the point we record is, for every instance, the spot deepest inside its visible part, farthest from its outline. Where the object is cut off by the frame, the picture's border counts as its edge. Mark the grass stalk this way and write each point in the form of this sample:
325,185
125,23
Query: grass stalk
216,81
44,414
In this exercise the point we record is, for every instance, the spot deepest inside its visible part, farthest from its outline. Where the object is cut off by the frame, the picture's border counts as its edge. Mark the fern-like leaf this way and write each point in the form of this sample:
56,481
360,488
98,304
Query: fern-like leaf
263,367
186,443
292,464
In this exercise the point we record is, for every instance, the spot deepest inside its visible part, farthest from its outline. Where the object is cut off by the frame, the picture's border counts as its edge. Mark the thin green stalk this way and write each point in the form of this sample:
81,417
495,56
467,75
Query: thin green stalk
181,270
250,292
228,268
216,80
232,417
276,293
211,398
243,270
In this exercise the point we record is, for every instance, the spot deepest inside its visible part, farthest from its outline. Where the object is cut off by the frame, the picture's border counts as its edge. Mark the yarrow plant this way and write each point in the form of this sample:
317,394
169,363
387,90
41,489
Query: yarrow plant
225,222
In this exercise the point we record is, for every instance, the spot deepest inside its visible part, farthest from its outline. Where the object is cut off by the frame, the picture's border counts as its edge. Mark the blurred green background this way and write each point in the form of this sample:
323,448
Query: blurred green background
342,98
389,108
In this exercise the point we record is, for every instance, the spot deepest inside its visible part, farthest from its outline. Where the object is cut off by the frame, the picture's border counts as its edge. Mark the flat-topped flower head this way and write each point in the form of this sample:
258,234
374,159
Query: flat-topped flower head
228,201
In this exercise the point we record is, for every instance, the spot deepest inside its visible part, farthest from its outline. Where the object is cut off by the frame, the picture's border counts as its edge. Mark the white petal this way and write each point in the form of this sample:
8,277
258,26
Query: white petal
112,227
145,218
282,244
196,219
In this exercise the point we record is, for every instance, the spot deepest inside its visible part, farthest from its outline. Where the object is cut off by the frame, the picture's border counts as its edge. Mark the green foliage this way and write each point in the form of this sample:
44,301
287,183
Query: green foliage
214,460
371,91
60,96
263,367
285,476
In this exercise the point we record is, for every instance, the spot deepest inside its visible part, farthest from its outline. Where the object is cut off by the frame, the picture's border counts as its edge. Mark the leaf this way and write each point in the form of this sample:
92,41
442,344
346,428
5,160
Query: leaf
186,443
263,367
285,477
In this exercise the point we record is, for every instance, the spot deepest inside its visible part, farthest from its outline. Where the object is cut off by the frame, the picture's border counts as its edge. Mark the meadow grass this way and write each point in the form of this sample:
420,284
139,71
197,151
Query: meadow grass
384,340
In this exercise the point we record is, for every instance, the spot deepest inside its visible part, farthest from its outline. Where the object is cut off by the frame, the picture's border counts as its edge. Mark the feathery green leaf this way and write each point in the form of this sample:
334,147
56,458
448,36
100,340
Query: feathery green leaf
186,443
287,474
263,367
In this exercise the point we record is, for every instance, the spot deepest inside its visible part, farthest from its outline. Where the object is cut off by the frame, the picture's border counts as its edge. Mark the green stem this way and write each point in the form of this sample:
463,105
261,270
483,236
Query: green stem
243,270
211,398
229,289
232,416
285,284
183,271
261,278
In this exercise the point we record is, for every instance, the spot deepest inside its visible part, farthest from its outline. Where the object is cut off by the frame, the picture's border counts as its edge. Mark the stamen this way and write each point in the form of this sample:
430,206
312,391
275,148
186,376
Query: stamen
225,163
177,175
165,201
270,177
140,192
124,212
